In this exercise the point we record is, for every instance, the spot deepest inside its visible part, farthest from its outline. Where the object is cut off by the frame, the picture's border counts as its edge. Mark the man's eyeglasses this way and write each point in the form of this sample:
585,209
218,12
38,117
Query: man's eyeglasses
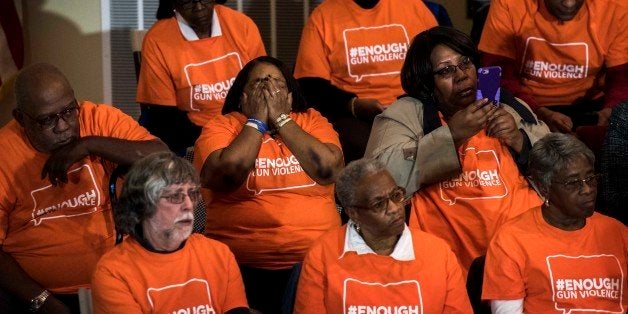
446,72
179,197
188,4
50,121
576,185
397,195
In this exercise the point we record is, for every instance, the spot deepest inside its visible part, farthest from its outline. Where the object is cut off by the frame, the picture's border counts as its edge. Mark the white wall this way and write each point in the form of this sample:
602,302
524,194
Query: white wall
67,34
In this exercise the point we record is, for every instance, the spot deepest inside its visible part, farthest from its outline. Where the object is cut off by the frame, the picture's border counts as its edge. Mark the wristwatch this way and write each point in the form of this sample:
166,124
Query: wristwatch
38,301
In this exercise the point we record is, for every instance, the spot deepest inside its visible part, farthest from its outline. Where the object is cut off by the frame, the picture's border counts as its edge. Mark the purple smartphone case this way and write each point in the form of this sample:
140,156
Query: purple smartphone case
488,83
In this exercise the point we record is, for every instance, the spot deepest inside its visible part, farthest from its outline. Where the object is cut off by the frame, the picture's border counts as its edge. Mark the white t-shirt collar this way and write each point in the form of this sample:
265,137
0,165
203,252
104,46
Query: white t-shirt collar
189,33
403,251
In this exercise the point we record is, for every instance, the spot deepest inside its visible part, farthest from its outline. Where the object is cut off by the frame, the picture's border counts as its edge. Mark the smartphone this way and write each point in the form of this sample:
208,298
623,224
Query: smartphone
489,79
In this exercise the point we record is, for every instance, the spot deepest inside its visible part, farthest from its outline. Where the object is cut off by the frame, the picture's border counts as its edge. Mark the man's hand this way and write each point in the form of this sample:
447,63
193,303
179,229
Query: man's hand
556,121
468,121
603,116
57,165
367,108
501,125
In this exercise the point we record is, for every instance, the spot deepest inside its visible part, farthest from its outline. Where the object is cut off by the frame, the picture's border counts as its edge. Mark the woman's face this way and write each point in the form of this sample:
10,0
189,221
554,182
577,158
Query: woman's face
374,219
262,74
174,219
198,14
456,90
570,198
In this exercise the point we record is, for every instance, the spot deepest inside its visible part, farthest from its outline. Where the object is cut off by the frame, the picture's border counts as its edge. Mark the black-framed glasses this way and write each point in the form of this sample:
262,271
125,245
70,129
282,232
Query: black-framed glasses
51,120
463,64
179,197
576,185
397,195
188,4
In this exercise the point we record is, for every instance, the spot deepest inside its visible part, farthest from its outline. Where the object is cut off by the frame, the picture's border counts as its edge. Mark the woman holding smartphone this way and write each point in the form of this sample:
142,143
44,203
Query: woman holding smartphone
458,157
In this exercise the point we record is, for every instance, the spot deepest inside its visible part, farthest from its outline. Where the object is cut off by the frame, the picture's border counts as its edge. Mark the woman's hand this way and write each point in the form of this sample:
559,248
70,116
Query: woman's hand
468,121
278,99
254,104
501,125
556,121
366,108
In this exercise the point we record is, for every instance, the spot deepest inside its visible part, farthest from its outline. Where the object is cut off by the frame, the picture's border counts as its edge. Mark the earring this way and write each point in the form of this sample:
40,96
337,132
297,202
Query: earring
357,228
546,202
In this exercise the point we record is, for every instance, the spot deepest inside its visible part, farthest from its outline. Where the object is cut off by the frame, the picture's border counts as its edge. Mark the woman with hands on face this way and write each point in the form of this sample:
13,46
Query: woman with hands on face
270,163
458,157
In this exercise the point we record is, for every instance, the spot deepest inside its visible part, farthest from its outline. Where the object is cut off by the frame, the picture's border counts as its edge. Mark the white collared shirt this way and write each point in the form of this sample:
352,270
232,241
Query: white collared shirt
190,35
404,250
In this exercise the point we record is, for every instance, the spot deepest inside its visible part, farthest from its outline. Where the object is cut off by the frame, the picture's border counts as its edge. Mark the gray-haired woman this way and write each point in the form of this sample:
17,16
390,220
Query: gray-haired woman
160,267
561,255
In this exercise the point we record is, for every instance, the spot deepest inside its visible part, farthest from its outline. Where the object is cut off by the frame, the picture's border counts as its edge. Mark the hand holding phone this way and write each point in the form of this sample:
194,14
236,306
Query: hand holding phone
489,79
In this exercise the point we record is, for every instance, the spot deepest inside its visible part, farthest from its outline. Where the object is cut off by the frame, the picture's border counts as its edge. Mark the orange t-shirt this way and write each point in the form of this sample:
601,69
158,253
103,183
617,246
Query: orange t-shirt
361,50
558,61
467,210
558,271
273,218
201,277
331,282
57,234
196,75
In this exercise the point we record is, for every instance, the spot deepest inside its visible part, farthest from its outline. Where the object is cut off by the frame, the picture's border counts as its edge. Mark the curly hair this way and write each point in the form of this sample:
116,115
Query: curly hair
347,183
143,185
232,102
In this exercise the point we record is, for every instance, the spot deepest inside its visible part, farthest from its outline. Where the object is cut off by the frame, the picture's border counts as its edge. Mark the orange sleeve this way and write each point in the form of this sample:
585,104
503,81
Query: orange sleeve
457,299
312,58
498,35
310,289
106,120
235,295
321,129
503,277
155,85
218,133
110,294
618,49
254,42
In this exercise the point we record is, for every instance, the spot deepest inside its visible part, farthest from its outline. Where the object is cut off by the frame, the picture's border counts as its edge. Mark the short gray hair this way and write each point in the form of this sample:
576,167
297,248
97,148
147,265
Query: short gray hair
354,172
553,153
143,186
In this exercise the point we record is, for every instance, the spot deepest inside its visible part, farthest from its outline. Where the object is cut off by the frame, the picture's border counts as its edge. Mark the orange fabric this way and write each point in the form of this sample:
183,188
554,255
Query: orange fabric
467,210
361,51
196,75
370,283
557,271
57,234
201,277
558,62
273,218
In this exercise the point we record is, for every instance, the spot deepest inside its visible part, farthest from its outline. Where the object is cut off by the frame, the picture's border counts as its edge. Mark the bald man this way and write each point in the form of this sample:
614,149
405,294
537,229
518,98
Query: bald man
55,214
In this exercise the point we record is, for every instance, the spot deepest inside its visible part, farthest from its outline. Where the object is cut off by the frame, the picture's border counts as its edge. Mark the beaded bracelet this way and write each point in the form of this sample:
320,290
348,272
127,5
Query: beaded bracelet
257,124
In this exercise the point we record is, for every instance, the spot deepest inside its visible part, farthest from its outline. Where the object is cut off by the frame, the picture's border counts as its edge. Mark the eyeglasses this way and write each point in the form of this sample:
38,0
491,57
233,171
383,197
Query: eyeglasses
188,4
179,197
50,121
576,185
446,72
397,195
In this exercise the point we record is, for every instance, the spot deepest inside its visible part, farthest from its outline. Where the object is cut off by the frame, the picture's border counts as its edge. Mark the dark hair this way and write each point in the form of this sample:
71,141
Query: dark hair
143,185
232,102
417,78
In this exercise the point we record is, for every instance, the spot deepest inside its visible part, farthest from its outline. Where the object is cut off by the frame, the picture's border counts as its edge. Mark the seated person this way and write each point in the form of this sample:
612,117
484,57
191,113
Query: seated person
161,267
560,256
375,261
189,62
457,157
55,213
349,59
271,164
615,165
554,55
